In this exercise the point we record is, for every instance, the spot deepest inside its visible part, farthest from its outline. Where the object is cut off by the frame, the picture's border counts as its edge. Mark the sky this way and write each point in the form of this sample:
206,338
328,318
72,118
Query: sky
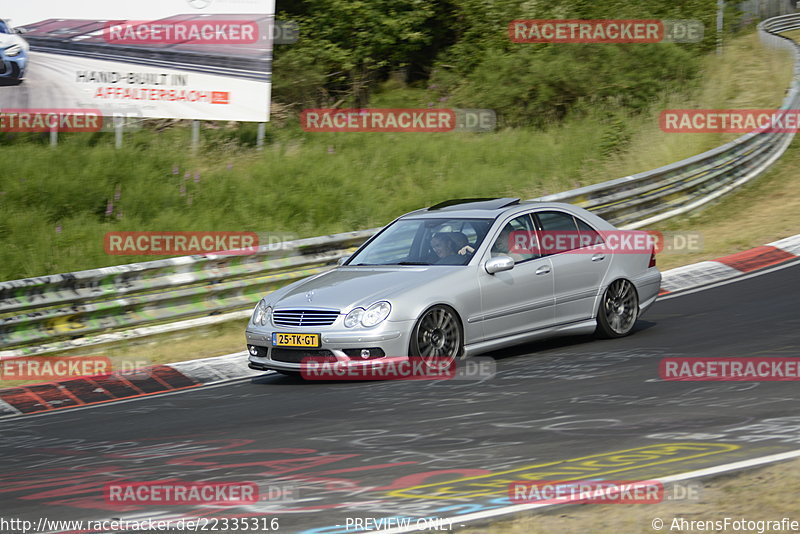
24,12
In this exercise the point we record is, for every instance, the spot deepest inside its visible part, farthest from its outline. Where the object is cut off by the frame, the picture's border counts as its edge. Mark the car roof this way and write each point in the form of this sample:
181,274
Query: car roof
482,208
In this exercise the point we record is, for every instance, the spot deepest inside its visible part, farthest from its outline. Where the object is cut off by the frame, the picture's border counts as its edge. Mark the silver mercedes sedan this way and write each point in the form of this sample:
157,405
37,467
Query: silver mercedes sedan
457,279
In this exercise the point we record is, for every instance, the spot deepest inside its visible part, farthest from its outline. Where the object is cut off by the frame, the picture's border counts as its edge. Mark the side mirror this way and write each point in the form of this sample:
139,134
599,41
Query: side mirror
20,30
499,264
341,261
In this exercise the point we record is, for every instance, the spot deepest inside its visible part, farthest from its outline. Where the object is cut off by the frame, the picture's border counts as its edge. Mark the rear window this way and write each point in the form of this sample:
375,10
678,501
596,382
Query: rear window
559,232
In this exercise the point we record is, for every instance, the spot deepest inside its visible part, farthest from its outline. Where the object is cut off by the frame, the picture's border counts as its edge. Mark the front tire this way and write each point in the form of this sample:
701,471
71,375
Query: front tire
437,337
618,310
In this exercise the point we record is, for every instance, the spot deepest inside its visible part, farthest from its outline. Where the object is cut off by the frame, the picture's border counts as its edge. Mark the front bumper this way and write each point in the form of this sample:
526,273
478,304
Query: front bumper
13,68
390,339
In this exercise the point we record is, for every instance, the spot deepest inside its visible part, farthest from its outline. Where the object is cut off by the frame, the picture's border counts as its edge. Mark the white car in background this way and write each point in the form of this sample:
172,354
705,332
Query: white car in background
13,54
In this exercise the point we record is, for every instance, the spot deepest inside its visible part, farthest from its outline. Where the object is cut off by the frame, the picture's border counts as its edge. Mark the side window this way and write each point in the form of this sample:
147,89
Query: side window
517,239
589,236
559,232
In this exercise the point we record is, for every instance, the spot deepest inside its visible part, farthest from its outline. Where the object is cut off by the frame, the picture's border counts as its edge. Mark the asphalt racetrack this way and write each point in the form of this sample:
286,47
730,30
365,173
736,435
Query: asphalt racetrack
431,449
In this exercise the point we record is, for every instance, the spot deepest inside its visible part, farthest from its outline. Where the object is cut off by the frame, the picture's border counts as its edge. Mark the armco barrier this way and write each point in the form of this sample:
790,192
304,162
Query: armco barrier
645,198
46,313
63,306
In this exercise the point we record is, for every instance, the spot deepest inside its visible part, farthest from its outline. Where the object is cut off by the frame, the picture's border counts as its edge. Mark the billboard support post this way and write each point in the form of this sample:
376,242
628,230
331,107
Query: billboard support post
53,136
195,135
118,128
262,126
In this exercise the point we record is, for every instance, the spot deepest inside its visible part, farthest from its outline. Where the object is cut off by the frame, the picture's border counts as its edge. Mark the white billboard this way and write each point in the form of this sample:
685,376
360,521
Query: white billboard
184,59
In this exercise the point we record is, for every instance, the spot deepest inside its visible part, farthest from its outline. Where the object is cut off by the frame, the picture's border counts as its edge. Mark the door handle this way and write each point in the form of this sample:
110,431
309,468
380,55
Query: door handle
544,269
598,257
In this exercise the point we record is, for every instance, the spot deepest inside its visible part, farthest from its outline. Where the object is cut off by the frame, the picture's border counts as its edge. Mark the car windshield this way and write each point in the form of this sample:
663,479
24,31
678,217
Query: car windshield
435,241
4,28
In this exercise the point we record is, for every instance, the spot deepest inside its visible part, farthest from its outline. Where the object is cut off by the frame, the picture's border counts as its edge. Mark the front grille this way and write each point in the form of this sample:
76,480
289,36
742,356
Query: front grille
304,317
298,355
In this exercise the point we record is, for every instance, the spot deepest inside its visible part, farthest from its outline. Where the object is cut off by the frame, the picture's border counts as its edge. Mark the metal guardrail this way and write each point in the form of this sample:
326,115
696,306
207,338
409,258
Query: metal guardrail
57,309
648,197
62,306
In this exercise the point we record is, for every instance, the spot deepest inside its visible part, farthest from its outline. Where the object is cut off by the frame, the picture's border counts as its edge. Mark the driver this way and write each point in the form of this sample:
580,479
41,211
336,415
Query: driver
445,249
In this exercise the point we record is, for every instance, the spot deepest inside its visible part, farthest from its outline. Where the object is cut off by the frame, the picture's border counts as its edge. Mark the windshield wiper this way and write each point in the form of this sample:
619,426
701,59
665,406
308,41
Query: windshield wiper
411,263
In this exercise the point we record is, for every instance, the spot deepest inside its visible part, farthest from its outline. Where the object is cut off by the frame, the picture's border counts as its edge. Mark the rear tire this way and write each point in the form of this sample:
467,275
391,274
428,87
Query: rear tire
618,310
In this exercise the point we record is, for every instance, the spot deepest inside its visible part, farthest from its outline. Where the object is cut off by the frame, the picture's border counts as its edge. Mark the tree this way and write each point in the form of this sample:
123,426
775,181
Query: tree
358,39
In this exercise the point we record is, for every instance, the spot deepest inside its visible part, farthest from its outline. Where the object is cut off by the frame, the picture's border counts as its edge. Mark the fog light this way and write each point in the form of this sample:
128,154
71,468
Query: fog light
253,350
365,354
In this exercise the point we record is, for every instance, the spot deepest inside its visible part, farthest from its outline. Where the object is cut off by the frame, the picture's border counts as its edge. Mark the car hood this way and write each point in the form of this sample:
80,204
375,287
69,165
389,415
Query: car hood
348,287
8,39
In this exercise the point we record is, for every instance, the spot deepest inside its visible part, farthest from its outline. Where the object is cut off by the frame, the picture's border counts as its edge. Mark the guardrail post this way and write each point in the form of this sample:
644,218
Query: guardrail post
262,128
118,126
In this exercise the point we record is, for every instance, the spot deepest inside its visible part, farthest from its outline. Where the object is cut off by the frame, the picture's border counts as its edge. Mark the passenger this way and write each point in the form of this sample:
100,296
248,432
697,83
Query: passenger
501,246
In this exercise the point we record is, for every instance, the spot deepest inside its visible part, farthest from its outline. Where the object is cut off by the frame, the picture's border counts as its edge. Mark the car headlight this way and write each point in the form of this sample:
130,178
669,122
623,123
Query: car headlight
372,316
376,314
262,313
354,317
13,50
